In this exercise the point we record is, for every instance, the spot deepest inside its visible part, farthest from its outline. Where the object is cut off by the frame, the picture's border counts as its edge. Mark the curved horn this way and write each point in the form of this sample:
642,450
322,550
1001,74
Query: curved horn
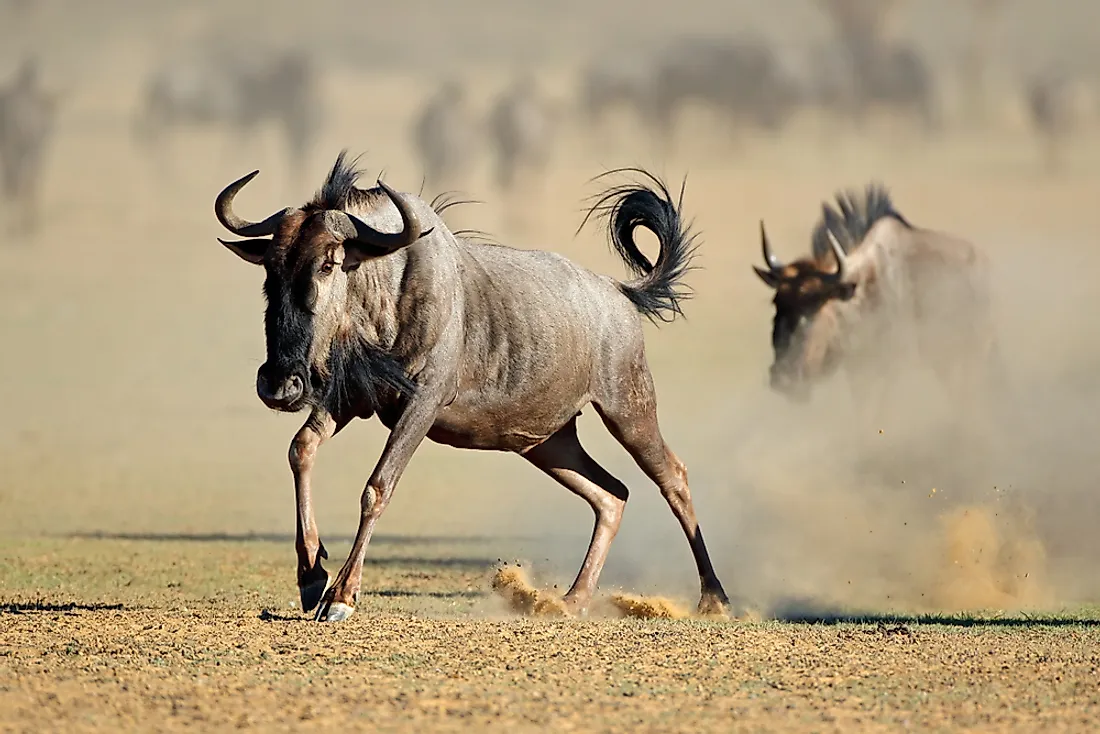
223,209
774,263
841,259
411,230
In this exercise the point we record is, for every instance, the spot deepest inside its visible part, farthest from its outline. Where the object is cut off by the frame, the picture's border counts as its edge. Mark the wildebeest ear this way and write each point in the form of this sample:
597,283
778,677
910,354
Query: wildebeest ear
770,278
252,250
845,291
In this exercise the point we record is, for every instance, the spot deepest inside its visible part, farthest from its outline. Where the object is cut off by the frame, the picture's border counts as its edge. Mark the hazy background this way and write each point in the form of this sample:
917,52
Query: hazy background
130,337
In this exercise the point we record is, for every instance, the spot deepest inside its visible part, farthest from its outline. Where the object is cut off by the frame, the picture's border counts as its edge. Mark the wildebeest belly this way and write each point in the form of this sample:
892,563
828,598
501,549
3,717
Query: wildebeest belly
535,352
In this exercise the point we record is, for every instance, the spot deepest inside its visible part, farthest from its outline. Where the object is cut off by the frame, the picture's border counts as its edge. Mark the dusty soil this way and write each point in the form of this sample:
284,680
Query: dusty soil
900,577
168,635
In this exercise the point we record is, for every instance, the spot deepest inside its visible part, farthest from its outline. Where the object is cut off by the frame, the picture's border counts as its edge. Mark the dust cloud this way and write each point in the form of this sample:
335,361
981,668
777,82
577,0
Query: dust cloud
131,338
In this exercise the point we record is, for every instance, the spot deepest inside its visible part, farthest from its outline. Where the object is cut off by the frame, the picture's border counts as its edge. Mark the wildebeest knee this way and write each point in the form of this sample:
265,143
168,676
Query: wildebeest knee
302,451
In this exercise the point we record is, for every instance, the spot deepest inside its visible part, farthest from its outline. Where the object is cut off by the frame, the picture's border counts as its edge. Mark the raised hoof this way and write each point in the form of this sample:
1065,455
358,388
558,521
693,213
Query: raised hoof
334,612
312,593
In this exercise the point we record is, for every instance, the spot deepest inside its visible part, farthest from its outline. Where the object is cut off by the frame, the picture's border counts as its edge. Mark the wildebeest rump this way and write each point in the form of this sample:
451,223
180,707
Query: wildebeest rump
873,286
376,307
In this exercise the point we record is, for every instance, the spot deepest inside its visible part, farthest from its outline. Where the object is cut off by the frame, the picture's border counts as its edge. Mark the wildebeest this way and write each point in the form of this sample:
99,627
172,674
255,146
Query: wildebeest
741,78
874,287
27,118
880,71
619,80
521,128
238,91
376,307
1050,111
445,135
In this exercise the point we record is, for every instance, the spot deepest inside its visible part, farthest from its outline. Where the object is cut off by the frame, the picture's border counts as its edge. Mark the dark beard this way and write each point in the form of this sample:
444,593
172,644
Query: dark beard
362,378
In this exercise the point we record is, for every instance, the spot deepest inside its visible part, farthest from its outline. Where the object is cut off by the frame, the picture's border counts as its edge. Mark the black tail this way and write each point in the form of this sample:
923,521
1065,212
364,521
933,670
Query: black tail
658,289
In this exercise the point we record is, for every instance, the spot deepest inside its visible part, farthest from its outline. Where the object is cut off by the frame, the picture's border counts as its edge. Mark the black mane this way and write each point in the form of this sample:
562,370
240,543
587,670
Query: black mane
339,190
852,218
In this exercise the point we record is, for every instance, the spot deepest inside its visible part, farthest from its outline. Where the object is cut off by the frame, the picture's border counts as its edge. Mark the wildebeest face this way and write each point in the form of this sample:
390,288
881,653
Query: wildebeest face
307,258
806,333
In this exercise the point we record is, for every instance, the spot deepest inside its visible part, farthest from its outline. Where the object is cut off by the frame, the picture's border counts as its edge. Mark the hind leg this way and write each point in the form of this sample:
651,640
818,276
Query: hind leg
563,458
632,419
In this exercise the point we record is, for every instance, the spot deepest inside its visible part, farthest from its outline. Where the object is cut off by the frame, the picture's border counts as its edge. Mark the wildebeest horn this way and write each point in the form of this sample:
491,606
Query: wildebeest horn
841,258
223,209
774,263
359,231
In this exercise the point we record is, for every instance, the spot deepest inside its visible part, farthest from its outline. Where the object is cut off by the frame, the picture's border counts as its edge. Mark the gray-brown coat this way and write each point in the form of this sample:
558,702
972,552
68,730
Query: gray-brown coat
376,307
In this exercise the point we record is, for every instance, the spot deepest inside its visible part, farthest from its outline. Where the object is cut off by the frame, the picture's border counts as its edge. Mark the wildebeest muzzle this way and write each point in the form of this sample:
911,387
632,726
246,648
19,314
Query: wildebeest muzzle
281,388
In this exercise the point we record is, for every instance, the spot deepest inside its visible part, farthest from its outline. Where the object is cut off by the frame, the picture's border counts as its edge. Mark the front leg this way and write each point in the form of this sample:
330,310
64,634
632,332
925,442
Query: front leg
410,430
312,577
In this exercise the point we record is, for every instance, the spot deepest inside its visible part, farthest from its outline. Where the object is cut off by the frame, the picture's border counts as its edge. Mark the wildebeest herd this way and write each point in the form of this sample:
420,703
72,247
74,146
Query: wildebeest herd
375,307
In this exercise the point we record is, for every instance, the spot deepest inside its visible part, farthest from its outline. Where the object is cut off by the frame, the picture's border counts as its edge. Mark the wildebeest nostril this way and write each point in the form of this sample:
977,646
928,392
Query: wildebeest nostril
294,386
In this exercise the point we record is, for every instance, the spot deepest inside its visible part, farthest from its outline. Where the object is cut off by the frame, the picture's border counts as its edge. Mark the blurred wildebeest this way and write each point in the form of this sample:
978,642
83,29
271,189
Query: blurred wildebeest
376,307
521,129
742,78
874,287
1050,112
239,91
445,135
881,72
619,80
27,119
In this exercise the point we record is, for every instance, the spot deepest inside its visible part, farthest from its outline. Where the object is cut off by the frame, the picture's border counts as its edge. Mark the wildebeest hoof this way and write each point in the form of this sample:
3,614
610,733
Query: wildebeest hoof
312,592
712,604
334,612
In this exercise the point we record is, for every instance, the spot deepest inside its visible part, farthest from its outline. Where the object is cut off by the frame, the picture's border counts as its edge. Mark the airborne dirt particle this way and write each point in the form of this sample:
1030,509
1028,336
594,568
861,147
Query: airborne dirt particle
647,607
512,585
990,560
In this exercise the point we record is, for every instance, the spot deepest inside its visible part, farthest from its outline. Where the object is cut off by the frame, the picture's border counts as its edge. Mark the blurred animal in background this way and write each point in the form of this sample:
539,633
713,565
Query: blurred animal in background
445,136
882,72
27,119
521,128
374,307
624,81
237,91
741,79
874,288
1050,113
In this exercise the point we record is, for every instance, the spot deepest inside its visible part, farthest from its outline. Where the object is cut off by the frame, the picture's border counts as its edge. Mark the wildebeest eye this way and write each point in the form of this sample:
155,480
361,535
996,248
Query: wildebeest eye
327,267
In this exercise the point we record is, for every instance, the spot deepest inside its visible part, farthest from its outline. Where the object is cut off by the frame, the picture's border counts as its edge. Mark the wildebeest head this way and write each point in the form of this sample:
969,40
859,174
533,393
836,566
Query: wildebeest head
806,326
310,255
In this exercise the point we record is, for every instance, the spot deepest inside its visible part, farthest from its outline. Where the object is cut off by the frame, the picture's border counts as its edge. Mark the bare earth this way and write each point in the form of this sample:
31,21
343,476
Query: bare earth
169,635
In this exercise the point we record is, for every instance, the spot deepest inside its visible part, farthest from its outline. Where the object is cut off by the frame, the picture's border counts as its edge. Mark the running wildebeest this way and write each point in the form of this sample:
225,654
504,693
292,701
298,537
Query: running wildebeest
27,118
375,307
521,128
238,91
874,286
444,135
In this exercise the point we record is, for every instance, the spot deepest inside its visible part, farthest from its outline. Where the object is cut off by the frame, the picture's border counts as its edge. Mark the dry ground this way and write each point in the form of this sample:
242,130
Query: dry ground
168,635
145,571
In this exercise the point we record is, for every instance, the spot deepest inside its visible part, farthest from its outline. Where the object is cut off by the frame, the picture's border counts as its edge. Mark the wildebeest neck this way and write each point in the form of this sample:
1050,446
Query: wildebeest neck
359,371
